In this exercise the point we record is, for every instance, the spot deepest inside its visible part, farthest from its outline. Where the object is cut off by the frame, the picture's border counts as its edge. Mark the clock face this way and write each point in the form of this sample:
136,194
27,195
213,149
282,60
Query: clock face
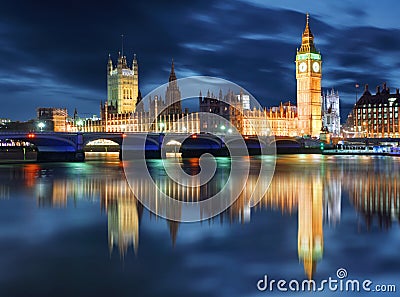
303,66
315,66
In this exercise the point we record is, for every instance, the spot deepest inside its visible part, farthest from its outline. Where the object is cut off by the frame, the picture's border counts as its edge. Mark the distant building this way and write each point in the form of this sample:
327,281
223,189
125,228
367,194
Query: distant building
377,115
280,120
122,85
244,99
283,119
52,119
348,126
227,107
172,95
4,121
331,112
18,126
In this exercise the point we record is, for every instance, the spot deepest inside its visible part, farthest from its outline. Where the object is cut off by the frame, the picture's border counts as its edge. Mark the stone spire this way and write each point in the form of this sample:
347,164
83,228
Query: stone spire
173,95
135,65
307,40
109,65
172,75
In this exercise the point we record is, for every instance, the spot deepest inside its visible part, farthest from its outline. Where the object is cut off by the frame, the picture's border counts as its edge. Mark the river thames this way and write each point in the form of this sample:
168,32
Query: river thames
75,229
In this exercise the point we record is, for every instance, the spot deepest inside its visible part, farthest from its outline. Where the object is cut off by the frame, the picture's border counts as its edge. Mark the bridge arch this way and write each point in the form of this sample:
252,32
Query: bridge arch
116,138
290,143
202,142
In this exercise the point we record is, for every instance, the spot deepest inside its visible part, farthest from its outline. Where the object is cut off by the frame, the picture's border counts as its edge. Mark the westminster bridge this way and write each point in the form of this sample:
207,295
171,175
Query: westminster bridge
60,146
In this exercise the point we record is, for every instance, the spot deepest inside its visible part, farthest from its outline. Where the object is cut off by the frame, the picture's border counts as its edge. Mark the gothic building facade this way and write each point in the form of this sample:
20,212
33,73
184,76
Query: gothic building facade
122,85
120,113
331,112
173,105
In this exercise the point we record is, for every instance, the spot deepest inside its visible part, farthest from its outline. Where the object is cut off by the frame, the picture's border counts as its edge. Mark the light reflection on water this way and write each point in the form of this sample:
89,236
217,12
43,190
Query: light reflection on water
322,209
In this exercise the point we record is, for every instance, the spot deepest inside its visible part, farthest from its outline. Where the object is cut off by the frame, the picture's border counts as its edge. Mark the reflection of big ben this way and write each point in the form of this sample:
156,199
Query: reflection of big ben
310,231
308,75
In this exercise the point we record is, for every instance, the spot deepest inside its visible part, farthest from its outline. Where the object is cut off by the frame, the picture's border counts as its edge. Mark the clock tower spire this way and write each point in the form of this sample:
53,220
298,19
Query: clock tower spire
308,76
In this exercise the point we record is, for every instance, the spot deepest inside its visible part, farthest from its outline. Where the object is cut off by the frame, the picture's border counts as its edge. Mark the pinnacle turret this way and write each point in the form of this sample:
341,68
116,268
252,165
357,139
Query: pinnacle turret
307,40
172,75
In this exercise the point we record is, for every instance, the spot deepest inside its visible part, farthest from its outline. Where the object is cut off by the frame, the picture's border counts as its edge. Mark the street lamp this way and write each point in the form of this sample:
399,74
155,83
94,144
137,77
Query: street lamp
41,125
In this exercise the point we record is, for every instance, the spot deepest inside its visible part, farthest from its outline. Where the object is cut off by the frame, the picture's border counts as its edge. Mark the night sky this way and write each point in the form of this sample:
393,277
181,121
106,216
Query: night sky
55,54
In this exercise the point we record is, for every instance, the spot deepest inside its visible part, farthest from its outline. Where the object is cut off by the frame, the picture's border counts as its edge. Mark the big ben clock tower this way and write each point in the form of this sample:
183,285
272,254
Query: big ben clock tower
308,76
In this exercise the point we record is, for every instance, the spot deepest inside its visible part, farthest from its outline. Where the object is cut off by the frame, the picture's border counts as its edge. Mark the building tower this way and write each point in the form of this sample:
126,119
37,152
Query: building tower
331,112
122,85
308,76
173,95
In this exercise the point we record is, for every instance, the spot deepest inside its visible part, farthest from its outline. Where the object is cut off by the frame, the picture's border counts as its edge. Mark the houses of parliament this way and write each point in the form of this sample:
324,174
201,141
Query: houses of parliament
122,111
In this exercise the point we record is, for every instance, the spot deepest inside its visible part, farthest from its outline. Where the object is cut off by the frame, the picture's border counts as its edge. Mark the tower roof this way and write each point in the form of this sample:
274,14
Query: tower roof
307,40
172,75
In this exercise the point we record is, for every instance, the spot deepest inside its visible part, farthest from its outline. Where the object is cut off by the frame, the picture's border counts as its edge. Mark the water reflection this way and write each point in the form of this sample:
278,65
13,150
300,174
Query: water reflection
312,186
375,195
123,225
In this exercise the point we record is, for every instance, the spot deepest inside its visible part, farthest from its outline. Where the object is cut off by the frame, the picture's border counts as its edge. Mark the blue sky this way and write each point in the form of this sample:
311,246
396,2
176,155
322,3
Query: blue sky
54,54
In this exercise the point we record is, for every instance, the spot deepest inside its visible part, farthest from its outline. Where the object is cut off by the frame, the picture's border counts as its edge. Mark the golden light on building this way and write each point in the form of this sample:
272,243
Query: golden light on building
308,75
122,85
377,115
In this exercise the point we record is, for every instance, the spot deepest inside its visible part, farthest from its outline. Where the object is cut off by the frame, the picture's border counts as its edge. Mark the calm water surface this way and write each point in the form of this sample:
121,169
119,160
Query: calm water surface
75,229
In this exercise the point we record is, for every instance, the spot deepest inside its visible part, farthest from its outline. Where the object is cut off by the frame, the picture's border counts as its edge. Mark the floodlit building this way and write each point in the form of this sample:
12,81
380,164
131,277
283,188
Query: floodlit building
331,112
308,76
377,115
121,112
52,119
122,85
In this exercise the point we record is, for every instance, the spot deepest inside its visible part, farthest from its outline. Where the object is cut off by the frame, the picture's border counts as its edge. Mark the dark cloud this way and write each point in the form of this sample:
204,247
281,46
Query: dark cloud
57,51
